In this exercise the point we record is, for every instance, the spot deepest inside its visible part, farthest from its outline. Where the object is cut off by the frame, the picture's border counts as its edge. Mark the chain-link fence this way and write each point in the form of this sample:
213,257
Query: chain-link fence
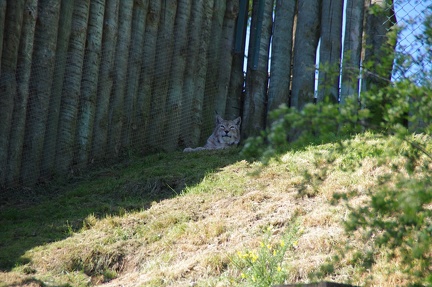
83,82
413,45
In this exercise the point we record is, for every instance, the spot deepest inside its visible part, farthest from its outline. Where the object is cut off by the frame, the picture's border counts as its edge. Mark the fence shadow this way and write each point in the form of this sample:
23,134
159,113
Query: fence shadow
53,212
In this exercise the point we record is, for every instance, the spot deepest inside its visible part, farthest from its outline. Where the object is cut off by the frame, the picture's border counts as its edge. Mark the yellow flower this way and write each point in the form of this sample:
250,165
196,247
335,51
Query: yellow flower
279,268
282,243
253,257
242,275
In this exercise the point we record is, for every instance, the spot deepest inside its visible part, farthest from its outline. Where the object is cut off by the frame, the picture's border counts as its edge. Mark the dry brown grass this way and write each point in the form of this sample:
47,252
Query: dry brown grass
189,240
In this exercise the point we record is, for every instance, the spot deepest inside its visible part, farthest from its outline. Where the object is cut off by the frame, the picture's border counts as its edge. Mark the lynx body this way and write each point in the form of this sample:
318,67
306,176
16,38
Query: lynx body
226,134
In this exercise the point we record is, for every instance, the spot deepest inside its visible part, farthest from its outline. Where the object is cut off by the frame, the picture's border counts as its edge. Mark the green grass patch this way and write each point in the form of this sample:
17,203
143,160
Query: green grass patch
45,214
202,218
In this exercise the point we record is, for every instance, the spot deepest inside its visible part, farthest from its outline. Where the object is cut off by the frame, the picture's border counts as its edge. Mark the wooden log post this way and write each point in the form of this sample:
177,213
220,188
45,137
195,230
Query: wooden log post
352,49
282,45
305,46
330,50
257,71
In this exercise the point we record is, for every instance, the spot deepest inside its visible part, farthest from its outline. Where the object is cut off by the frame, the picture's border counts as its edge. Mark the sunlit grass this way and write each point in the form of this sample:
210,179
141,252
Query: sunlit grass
180,219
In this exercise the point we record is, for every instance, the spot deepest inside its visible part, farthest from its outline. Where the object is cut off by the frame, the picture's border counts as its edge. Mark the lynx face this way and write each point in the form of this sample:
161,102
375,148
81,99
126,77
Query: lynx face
226,134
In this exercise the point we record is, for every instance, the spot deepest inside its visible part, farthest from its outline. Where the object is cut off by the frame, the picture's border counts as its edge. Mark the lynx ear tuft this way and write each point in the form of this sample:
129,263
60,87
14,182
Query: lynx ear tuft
219,119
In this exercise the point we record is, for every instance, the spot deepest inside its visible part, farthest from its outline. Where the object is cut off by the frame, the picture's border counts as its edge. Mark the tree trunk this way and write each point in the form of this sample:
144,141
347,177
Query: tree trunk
63,35
226,56
20,106
8,84
89,82
40,88
352,49
116,110
164,49
235,90
255,105
175,94
282,45
212,76
145,90
305,46
130,128
105,81
330,50
192,119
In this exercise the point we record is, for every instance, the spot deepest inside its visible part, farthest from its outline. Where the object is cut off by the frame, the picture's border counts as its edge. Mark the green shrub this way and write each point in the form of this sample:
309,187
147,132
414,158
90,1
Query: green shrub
398,214
266,266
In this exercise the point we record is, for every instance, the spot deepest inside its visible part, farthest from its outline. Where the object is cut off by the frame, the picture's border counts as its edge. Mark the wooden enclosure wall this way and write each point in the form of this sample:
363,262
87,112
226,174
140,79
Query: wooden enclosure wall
84,80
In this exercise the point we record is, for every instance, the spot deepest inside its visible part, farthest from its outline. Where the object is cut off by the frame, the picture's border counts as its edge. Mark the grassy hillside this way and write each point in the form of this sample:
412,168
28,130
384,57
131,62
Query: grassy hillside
200,219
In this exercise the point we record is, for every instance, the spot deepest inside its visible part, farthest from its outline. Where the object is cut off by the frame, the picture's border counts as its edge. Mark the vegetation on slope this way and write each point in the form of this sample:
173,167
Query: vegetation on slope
347,198
178,220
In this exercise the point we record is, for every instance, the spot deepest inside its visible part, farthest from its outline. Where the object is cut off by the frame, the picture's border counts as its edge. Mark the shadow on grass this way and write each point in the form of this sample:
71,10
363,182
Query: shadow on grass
30,282
44,214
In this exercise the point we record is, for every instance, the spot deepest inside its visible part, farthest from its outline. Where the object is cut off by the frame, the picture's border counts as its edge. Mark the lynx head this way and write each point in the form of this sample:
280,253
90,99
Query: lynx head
227,132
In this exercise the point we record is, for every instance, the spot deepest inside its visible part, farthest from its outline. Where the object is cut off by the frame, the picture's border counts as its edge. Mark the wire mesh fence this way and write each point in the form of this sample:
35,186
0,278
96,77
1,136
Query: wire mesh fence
84,84
413,45
110,76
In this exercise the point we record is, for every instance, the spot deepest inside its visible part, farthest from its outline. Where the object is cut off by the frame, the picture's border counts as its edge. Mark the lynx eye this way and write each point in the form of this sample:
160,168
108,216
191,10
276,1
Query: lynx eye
232,127
222,126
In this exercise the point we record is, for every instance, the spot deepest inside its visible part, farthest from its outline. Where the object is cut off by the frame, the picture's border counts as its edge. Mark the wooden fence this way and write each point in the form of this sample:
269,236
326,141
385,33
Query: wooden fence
82,81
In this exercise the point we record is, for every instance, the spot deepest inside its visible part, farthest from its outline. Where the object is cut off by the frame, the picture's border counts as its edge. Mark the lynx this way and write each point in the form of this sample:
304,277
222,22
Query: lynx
226,134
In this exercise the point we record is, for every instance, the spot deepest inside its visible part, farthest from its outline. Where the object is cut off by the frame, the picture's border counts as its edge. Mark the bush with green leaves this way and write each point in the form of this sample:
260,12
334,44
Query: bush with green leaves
266,266
397,217
314,124
398,214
